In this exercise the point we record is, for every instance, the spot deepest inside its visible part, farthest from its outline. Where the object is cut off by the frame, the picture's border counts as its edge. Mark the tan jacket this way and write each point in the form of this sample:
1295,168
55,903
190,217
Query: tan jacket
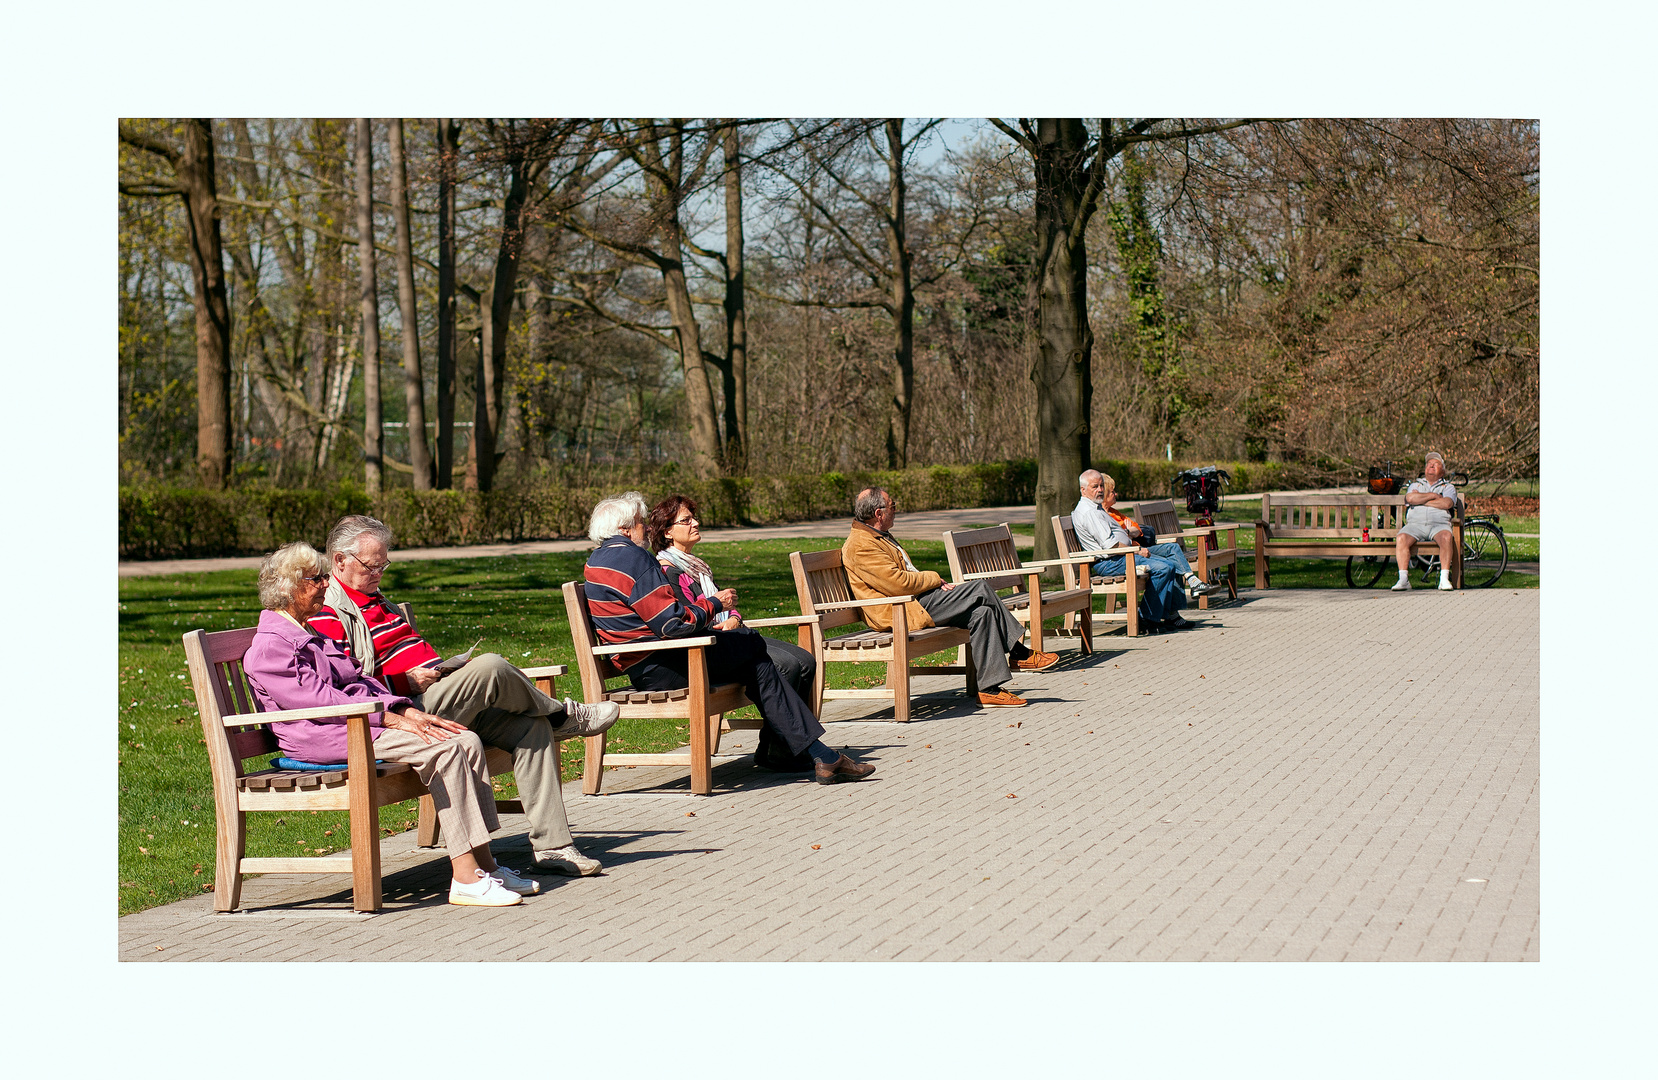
875,567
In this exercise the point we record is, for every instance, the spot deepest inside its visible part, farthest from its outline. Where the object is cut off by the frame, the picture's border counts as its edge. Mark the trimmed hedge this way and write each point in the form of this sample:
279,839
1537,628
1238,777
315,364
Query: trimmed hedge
170,523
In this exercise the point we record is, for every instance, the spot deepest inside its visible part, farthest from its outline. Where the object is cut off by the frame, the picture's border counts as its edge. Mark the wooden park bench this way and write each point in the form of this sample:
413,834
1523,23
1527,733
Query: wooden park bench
701,704
1333,527
1160,516
235,728
821,583
1075,567
989,555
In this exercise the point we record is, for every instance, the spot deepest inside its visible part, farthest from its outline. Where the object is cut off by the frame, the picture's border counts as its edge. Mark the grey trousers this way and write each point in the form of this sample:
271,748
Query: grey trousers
501,703
993,632
455,772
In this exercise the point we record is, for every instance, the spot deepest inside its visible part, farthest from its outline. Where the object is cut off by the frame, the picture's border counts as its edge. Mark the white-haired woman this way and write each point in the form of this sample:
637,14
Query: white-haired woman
290,666
631,599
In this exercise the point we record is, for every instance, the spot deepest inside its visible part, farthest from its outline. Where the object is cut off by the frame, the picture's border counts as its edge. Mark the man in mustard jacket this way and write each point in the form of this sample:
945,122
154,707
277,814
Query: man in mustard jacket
876,565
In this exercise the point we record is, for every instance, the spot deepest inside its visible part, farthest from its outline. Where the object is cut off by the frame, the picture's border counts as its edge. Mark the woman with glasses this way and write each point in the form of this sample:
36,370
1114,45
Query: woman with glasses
672,530
291,666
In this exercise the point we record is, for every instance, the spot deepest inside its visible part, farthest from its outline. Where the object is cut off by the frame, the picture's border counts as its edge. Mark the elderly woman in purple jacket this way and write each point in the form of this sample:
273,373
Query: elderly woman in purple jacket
291,666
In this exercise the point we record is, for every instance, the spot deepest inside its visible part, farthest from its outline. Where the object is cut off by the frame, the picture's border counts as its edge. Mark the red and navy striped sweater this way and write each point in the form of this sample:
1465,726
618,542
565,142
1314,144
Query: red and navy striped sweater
631,600
396,644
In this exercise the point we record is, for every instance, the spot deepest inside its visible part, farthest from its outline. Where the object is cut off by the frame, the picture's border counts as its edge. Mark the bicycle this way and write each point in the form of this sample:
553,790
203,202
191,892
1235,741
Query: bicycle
1484,554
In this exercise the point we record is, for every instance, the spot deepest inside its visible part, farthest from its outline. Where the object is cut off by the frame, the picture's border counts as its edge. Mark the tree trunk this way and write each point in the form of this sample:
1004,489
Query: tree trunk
414,391
369,305
195,169
735,369
903,304
447,151
1062,346
490,409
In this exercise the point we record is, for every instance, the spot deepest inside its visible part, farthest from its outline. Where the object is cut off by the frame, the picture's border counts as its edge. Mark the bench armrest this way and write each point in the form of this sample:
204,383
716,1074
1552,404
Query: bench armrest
321,712
1071,560
842,605
652,645
1132,549
1204,530
782,620
985,575
550,671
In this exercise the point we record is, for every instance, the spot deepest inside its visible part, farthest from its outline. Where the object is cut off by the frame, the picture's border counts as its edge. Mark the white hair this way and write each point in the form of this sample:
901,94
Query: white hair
616,515
1087,475
279,574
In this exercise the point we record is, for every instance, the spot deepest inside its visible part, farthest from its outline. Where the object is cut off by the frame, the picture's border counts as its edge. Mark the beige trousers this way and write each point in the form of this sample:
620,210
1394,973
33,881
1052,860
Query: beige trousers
455,773
501,703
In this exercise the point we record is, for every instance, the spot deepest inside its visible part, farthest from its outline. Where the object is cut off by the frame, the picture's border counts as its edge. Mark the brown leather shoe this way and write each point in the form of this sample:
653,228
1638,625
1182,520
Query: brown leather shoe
1036,661
1001,699
843,769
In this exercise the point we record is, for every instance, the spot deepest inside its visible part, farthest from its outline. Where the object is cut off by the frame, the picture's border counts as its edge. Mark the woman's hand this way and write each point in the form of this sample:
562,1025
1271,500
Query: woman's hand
731,623
430,728
727,598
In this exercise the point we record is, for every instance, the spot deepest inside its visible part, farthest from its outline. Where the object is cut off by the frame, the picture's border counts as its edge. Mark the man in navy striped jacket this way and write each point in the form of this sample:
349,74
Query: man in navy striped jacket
630,599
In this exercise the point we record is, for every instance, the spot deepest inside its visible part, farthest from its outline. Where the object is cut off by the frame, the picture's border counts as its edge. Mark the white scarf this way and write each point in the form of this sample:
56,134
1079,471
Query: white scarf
692,565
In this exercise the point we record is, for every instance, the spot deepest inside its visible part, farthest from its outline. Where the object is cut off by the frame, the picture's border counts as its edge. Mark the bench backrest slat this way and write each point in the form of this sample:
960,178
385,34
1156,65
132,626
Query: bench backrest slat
977,551
595,670
1333,516
1065,537
819,578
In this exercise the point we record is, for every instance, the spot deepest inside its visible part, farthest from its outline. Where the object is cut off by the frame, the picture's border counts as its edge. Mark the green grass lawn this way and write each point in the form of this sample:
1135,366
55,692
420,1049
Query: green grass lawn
166,821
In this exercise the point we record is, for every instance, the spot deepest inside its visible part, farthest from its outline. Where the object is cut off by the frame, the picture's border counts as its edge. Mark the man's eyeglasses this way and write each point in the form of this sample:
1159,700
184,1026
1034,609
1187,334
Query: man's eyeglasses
379,569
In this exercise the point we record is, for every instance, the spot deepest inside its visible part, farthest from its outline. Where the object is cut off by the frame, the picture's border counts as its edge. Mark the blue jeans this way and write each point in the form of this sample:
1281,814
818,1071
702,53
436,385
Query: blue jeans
1164,595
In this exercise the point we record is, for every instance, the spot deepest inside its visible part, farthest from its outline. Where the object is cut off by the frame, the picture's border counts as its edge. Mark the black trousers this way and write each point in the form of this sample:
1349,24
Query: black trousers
742,656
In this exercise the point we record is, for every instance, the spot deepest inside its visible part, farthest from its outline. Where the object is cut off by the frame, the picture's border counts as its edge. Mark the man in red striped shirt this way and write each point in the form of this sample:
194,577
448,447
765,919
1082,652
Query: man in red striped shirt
488,694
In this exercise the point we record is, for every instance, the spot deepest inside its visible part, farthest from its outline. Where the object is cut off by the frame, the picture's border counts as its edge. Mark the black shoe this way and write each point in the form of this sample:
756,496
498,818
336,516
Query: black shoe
1180,623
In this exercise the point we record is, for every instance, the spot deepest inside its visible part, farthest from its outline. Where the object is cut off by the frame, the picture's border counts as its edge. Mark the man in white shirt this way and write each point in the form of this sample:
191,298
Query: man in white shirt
1100,529
1431,500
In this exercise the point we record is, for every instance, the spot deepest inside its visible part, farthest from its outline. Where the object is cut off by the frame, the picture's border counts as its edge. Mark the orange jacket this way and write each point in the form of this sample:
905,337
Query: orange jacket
875,567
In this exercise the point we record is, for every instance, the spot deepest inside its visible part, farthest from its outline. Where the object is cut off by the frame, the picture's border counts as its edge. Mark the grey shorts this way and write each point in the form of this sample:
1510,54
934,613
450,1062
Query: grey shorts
1423,532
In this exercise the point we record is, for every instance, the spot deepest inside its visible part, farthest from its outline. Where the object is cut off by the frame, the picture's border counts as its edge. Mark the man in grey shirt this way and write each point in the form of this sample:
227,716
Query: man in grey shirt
1431,500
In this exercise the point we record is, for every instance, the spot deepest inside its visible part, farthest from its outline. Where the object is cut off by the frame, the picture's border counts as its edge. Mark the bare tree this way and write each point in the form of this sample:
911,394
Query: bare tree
369,304
448,134
1070,166
194,181
420,459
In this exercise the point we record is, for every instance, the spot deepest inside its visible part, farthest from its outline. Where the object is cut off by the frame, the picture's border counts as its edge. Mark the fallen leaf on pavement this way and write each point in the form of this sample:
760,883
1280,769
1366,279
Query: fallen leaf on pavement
1011,795
817,847
690,813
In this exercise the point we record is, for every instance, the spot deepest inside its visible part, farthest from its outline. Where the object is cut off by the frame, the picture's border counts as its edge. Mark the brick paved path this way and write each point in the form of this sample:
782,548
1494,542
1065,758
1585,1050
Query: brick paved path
1338,785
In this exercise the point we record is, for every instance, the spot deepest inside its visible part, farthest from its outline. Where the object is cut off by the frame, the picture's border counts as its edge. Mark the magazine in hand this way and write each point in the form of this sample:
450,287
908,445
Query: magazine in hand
458,661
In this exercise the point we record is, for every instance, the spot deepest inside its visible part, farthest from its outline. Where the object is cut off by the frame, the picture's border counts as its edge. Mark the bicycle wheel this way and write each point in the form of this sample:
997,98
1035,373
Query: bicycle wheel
1364,571
1484,554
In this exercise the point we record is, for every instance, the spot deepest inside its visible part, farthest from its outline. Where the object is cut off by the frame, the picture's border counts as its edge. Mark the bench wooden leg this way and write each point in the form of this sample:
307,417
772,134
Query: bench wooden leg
232,846
702,770
365,817
1088,629
898,668
427,829
1260,560
592,769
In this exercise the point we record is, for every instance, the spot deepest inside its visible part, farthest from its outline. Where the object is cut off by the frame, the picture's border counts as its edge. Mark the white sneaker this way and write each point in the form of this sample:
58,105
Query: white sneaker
1402,585
1444,583
582,719
1198,587
567,860
513,881
486,892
